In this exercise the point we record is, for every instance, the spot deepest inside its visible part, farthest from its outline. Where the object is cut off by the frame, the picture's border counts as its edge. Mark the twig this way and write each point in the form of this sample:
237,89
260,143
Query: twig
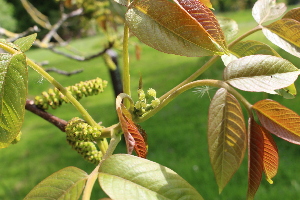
56,26
53,69
13,36
59,123
81,58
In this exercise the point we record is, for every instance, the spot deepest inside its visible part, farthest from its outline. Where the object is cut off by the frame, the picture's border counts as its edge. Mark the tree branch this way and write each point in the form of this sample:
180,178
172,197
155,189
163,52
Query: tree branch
13,36
81,58
53,69
59,123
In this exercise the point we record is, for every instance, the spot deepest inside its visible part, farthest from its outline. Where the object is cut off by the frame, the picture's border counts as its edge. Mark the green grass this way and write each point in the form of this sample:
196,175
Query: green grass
177,134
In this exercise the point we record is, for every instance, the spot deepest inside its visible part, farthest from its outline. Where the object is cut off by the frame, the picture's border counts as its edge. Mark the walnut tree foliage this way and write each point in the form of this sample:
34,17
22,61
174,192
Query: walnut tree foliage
186,28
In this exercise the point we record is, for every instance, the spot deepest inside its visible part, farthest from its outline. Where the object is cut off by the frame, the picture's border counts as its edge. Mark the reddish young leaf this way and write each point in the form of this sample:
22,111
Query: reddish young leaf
135,136
186,27
270,156
206,18
279,120
255,160
227,139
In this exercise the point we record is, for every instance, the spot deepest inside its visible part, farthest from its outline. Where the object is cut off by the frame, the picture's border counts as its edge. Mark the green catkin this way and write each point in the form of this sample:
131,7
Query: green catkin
77,129
87,150
80,136
54,98
141,106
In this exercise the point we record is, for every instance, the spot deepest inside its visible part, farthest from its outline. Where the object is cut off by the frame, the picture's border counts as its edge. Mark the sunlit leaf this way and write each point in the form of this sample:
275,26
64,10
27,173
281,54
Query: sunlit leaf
271,158
260,73
252,47
293,14
229,27
13,92
285,33
186,28
128,177
288,29
207,3
226,136
266,10
135,136
255,160
247,48
67,183
279,120
25,43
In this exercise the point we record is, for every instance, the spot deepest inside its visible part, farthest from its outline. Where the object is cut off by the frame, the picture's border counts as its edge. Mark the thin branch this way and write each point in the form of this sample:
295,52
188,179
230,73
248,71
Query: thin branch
13,36
59,123
58,24
81,58
53,69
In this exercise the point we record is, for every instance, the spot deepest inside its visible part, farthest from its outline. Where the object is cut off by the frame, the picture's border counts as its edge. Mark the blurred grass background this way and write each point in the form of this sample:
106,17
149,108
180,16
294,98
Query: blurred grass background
176,135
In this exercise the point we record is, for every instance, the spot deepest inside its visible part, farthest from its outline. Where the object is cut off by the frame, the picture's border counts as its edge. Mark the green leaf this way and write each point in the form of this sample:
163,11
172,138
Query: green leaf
156,24
5,42
13,92
287,92
252,47
266,10
25,43
67,183
124,176
260,73
226,136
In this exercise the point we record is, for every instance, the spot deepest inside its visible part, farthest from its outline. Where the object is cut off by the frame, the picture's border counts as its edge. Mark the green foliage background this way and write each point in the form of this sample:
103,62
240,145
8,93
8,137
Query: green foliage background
7,19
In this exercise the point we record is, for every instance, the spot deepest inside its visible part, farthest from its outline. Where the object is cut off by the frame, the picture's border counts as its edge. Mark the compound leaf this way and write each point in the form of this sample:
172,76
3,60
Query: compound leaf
67,183
13,92
186,27
260,73
226,136
128,177
279,120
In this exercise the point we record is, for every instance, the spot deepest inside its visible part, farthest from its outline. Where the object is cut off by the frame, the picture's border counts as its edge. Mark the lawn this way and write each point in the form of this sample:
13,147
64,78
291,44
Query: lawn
176,135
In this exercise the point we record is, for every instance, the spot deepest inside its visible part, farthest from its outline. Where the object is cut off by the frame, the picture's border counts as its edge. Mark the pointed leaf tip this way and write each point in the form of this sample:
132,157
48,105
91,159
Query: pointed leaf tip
226,136
255,162
25,43
260,73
